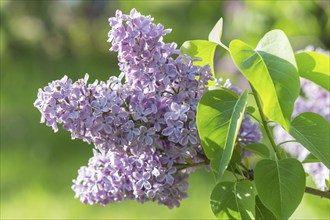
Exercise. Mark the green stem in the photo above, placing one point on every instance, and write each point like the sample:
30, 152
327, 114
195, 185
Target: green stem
238, 171
185, 166
265, 124
224, 46
286, 142
255, 118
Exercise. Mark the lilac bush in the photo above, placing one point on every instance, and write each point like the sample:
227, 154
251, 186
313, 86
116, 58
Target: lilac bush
164, 116
142, 123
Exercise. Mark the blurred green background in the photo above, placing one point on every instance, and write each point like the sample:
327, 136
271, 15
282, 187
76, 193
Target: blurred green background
44, 40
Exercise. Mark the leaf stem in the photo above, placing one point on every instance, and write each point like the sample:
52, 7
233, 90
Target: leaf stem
286, 142
234, 172
316, 192
265, 124
242, 165
224, 46
255, 118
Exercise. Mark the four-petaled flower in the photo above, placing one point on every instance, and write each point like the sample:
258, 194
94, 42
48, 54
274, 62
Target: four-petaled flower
142, 180
178, 112
146, 135
168, 176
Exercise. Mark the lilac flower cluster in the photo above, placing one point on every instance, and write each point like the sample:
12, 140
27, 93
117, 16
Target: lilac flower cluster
144, 130
312, 99
114, 176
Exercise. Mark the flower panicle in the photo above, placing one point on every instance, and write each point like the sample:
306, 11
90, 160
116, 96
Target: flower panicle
142, 124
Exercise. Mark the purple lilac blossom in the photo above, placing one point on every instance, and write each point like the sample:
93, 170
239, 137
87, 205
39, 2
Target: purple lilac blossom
312, 99
123, 120
117, 176
142, 129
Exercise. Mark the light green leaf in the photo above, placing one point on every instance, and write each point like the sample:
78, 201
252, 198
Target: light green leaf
219, 117
312, 131
280, 185
233, 200
262, 213
201, 49
271, 69
216, 33
327, 183
257, 148
315, 67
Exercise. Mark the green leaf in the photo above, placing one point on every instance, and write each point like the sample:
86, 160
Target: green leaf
233, 200
327, 183
250, 109
280, 185
315, 67
201, 49
219, 117
311, 159
312, 131
216, 33
271, 69
257, 148
235, 161
262, 213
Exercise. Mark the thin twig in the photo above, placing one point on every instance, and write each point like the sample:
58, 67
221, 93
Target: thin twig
255, 118
316, 192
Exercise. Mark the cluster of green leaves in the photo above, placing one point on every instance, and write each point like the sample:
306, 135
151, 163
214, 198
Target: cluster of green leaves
275, 186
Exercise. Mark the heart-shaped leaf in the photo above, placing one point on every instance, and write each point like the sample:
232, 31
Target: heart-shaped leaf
262, 212
233, 200
219, 117
280, 185
315, 67
312, 131
271, 69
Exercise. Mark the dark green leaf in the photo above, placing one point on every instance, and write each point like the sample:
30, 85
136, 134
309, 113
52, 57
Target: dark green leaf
250, 109
257, 148
219, 116
280, 185
271, 69
235, 160
315, 67
233, 200
262, 213
312, 131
